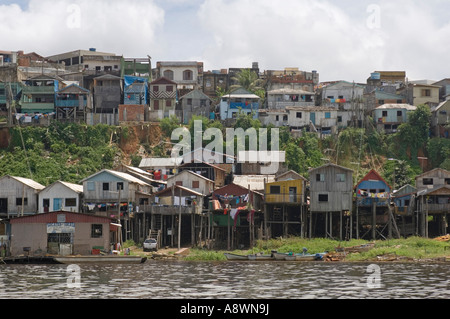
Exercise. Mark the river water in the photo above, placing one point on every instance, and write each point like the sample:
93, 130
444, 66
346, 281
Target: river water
229, 280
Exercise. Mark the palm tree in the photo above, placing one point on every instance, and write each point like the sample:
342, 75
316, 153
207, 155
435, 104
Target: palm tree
250, 81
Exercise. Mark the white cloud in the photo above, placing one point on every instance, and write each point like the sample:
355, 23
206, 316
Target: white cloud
49, 27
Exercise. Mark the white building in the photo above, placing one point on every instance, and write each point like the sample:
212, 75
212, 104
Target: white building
60, 196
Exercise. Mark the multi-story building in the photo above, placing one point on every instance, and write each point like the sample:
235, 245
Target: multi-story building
163, 98
388, 117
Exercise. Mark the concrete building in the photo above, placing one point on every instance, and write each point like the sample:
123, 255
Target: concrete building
163, 98
388, 117
61, 233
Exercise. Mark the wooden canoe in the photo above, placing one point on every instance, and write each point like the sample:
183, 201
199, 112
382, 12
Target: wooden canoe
231, 256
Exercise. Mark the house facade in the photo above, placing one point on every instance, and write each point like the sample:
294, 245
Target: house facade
109, 192
188, 75
72, 103
61, 196
388, 117
313, 118
281, 98
61, 233
194, 103
238, 101
39, 93
163, 98
193, 181
18, 196
440, 119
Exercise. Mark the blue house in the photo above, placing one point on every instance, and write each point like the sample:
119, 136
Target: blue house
240, 100
372, 189
72, 102
135, 90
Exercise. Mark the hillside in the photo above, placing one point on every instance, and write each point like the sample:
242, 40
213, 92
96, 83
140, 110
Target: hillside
71, 152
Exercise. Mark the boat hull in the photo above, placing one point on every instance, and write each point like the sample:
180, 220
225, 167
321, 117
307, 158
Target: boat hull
235, 257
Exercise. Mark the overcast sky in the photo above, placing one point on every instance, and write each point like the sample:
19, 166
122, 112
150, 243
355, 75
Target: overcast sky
341, 39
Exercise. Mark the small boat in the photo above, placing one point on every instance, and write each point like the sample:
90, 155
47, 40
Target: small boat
231, 256
260, 257
306, 257
100, 259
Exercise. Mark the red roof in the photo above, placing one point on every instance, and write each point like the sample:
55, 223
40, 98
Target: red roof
373, 176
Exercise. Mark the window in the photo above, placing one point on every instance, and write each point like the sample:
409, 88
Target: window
168, 74
447, 181
155, 88
277, 117
202, 102
340, 177
179, 183
71, 202
169, 88
285, 118
384, 114
90, 186
399, 101
120, 185
427, 181
331, 97
320, 177
323, 197
275, 189
195, 184
96, 230
380, 102
169, 103
339, 119
399, 113
19, 201
327, 115
187, 75
189, 102
299, 115
156, 104
426, 92
105, 186
98, 68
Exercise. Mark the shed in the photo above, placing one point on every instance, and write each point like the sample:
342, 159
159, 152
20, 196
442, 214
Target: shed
61, 233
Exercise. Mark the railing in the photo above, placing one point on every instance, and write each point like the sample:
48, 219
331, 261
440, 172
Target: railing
368, 201
39, 89
69, 103
436, 207
283, 198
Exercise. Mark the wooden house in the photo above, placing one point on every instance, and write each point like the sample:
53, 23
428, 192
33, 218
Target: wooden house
331, 188
18, 196
61, 196
193, 181
38, 94
433, 200
62, 233
72, 103
440, 119
106, 190
372, 196
388, 117
404, 200
194, 103
236, 213
285, 209
171, 204
108, 94
211, 171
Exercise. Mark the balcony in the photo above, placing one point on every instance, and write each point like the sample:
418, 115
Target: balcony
283, 198
367, 202
38, 90
69, 103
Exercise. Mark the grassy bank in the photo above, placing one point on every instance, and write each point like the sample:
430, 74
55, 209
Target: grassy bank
413, 248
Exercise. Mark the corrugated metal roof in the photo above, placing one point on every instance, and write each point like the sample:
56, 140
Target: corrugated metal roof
290, 91
29, 182
75, 187
256, 182
121, 175
407, 107
161, 162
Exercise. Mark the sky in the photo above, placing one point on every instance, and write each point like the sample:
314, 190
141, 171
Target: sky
340, 39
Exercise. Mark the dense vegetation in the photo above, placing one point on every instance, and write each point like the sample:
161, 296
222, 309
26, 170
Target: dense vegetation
71, 152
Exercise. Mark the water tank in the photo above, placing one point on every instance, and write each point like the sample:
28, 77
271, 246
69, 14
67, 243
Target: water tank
92, 49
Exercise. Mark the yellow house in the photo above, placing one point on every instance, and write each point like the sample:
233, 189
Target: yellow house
289, 191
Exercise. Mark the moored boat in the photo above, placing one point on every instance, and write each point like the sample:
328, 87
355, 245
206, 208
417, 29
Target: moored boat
231, 256
260, 257
305, 257
99, 259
